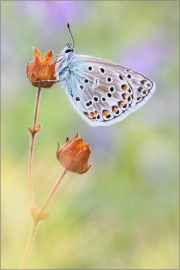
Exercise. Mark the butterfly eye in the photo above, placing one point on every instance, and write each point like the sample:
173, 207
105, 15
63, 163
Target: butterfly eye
68, 50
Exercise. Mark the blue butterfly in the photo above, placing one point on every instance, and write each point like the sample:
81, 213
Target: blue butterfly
101, 91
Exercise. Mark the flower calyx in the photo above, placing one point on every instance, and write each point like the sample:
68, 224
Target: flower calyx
74, 155
41, 73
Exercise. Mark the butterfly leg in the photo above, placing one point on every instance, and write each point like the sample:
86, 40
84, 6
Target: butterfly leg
55, 81
51, 64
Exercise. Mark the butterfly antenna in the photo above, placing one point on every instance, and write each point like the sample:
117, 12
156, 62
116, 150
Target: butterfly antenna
68, 27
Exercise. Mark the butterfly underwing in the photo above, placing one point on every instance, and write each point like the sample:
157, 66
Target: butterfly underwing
101, 91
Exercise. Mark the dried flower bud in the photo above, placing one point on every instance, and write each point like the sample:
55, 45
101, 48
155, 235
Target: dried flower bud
39, 70
74, 155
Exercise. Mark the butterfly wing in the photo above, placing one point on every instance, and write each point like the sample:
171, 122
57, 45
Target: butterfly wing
104, 92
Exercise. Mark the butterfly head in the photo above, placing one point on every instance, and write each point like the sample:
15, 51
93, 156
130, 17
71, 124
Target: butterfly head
68, 48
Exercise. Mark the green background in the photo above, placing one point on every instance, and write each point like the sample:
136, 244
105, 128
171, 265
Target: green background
123, 213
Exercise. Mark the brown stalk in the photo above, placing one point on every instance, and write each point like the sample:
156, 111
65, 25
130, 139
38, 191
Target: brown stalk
33, 130
36, 215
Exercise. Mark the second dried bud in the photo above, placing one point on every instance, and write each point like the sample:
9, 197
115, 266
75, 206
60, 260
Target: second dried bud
74, 155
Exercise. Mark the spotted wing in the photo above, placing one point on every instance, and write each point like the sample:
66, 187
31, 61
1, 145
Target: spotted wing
105, 92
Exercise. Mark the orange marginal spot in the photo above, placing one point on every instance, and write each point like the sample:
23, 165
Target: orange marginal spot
124, 96
124, 86
114, 108
105, 112
91, 114
86, 114
120, 103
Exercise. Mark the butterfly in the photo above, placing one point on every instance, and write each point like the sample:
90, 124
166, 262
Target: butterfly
101, 91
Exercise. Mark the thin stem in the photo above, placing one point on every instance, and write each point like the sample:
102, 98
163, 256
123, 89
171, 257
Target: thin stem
31, 148
52, 192
38, 218
37, 106
30, 169
29, 244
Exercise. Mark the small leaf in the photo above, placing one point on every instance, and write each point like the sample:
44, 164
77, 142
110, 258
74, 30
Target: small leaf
45, 216
33, 130
38, 128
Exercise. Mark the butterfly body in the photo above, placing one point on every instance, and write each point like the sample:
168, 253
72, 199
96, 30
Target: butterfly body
101, 91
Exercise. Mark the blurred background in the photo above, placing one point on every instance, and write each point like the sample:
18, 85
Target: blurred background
123, 213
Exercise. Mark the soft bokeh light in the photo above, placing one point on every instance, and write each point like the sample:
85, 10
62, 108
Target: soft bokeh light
123, 213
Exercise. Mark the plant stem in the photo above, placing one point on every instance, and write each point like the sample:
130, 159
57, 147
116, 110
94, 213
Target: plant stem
32, 141
30, 169
36, 106
29, 244
37, 218
52, 192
